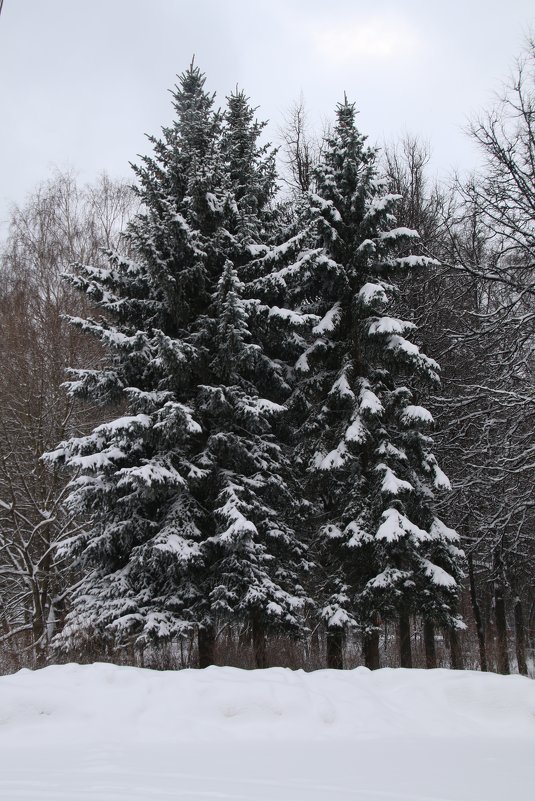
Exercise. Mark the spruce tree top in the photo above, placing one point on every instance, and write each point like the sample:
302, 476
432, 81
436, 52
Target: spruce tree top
185, 493
361, 429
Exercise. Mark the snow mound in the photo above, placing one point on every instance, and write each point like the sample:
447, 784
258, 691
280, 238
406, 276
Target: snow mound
112, 733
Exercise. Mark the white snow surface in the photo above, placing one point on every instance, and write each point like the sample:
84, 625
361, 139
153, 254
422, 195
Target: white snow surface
106, 733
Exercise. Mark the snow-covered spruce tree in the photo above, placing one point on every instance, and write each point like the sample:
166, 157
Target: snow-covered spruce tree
256, 558
251, 170
382, 552
183, 492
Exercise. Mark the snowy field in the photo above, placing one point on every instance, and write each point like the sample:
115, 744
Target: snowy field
74, 733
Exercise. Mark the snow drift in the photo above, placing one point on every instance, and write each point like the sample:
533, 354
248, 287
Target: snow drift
109, 733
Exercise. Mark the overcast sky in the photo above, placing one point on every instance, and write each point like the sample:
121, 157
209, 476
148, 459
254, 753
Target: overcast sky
81, 81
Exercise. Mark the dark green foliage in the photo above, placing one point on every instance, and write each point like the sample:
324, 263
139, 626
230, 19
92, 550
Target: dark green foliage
362, 436
185, 494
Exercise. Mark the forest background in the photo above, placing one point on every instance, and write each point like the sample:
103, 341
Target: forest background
474, 312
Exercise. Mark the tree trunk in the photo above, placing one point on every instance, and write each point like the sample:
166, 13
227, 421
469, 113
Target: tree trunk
520, 637
404, 636
530, 628
39, 655
500, 615
206, 645
131, 651
490, 626
456, 654
9, 649
259, 643
315, 647
244, 637
429, 645
480, 630
371, 649
335, 649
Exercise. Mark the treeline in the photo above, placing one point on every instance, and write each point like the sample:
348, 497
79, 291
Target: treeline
246, 427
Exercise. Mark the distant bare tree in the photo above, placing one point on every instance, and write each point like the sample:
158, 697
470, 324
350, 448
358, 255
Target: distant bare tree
59, 224
300, 148
468, 313
502, 197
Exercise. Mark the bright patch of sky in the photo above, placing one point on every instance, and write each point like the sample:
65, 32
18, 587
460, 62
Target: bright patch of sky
81, 83
380, 39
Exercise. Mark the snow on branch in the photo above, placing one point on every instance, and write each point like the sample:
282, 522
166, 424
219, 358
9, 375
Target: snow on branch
396, 526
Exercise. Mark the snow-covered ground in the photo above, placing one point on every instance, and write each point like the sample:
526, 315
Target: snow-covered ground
106, 733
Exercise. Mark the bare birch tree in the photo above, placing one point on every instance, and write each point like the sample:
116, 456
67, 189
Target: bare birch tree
59, 224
